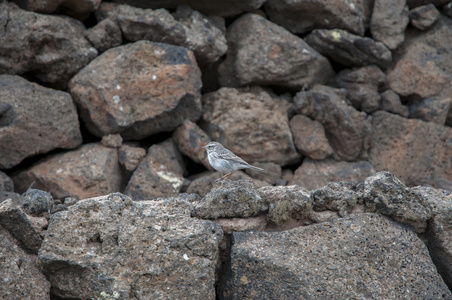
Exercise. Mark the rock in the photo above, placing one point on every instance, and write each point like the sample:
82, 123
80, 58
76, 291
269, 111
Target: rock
273, 172
346, 257
309, 137
231, 199
386, 194
286, 204
21, 277
388, 22
362, 85
416, 3
159, 175
51, 48
262, 53
223, 8
323, 216
105, 35
344, 125
251, 123
17, 223
37, 203
432, 109
6, 183
348, 49
110, 94
79, 9
91, 170
415, 151
130, 156
353, 16
190, 139
341, 197
112, 140
390, 102
146, 250
242, 224
423, 17
16, 198
34, 120
316, 174
447, 9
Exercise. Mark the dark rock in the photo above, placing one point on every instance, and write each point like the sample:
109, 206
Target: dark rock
105, 35
76, 9
423, 17
6, 183
447, 9
432, 109
37, 203
390, 102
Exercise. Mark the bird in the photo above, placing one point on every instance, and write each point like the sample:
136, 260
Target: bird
223, 160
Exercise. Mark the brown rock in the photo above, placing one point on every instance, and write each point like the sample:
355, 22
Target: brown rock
388, 22
432, 109
273, 172
91, 170
423, 17
34, 120
344, 125
415, 151
390, 102
263, 53
105, 35
138, 89
77, 9
112, 140
363, 85
316, 174
130, 156
309, 137
353, 16
159, 175
348, 49
230, 225
251, 123
51, 48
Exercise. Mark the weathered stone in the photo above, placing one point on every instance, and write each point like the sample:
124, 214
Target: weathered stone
309, 137
348, 49
323, 216
362, 85
344, 125
347, 257
34, 120
273, 172
388, 22
17, 223
432, 109
229, 199
146, 250
92, 170
316, 174
416, 152
353, 16
390, 102
51, 48
416, 3
159, 175
130, 156
387, 195
447, 9
423, 17
242, 224
21, 277
37, 203
263, 53
105, 35
251, 123
112, 140
78, 9
6, 183
341, 197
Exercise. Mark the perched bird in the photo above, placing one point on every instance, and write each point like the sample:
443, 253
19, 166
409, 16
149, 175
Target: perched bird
223, 160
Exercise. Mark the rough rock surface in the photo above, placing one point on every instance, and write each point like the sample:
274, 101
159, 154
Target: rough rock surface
432, 109
423, 17
92, 170
251, 123
24, 131
130, 156
37, 203
137, 249
77, 9
261, 53
390, 102
138, 89
51, 48
341, 197
105, 35
416, 152
346, 257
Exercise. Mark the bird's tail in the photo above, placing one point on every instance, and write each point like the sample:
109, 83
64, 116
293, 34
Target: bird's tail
256, 168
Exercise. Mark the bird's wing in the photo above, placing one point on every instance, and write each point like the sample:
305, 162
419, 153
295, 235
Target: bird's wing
231, 156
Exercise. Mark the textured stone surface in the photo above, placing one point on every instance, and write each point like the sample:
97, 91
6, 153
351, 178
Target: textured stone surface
92, 170
105, 35
346, 257
390, 102
111, 95
77, 9
263, 53
130, 156
273, 170
146, 250
6, 183
341, 197
37, 203
34, 120
432, 109
423, 17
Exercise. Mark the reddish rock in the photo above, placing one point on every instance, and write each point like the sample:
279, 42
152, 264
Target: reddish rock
77, 9
251, 123
92, 170
423, 17
138, 89
344, 125
105, 35
130, 156
159, 175
34, 120
263, 53
432, 109
417, 152
309, 137
353, 16
316, 174
388, 22
390, 102
51, 48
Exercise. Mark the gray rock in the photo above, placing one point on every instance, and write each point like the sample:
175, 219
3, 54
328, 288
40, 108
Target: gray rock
105, 35
423, 17
78, 9
363, 256
6, 183
390, 102
341, 197
37, 203
146, 250
432, 109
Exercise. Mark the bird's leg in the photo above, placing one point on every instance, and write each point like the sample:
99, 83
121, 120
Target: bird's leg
226, 176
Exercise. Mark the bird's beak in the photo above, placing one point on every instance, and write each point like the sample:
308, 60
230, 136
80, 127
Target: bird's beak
204, 146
